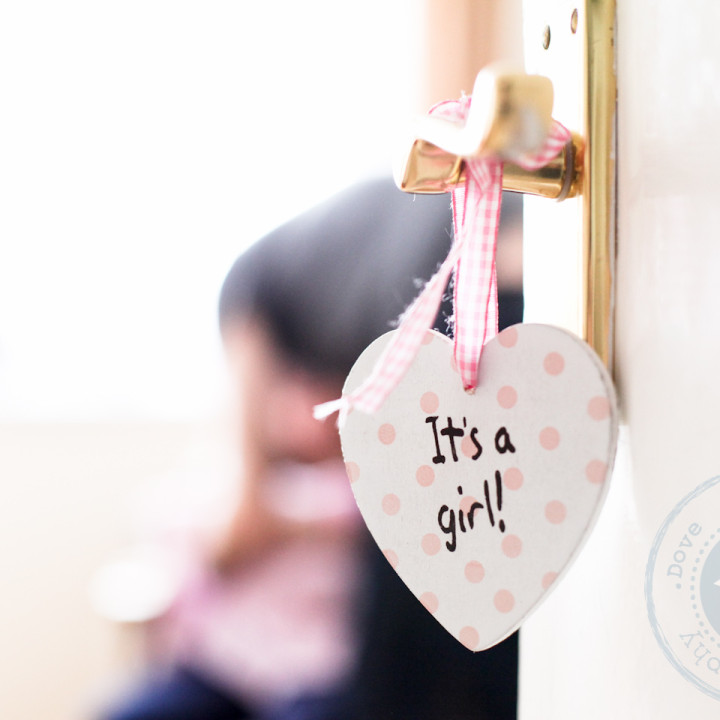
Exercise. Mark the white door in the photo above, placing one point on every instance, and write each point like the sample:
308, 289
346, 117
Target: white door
591, 651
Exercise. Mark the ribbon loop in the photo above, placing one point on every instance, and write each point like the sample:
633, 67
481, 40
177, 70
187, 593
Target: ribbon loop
476, 212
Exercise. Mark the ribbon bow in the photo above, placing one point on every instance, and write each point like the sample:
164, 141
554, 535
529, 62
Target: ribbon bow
476, 212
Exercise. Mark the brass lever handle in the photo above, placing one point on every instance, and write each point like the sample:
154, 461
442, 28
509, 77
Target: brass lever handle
510, 115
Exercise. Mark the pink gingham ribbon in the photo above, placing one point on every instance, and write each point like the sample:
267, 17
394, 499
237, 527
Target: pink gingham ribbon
476, 212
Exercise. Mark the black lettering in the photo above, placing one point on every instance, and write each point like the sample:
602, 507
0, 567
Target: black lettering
471, 513
439, 457
448, 529
503, 436
452, 433
488, 506
478, 446
461, 517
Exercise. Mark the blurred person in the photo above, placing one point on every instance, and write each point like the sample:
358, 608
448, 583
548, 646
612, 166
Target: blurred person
293, 613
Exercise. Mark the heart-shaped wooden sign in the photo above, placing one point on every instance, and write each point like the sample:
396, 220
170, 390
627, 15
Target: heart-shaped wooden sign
481, 501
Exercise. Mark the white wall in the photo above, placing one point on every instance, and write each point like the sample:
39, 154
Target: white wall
145, 144
65, 498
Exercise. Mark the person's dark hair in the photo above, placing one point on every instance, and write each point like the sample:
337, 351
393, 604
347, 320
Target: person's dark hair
326, 284
333, 279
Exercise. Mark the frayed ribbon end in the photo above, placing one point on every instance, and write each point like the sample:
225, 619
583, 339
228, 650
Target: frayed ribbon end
345, 405
325, 410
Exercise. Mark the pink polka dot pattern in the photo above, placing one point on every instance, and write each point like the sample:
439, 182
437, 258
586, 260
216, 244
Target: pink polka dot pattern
469, 637
599, 408
467, 447
554, 363
504, 601
545, 388
428, 338
555, 512
513, 479
430, 544
549, 438
512, 546
391, 504
386, 434
429, 402
474, 572
507, 397
353, 471
425, 475
430, 601
508, 337
391, 557
596, 471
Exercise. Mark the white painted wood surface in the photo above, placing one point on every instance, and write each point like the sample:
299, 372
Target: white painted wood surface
589, 652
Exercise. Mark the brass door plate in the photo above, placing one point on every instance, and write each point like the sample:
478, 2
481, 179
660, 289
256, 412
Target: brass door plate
570, 246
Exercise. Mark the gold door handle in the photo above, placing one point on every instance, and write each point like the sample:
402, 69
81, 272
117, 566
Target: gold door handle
514, 107
509, 117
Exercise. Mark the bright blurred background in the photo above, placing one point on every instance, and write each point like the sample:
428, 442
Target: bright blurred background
143, 145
